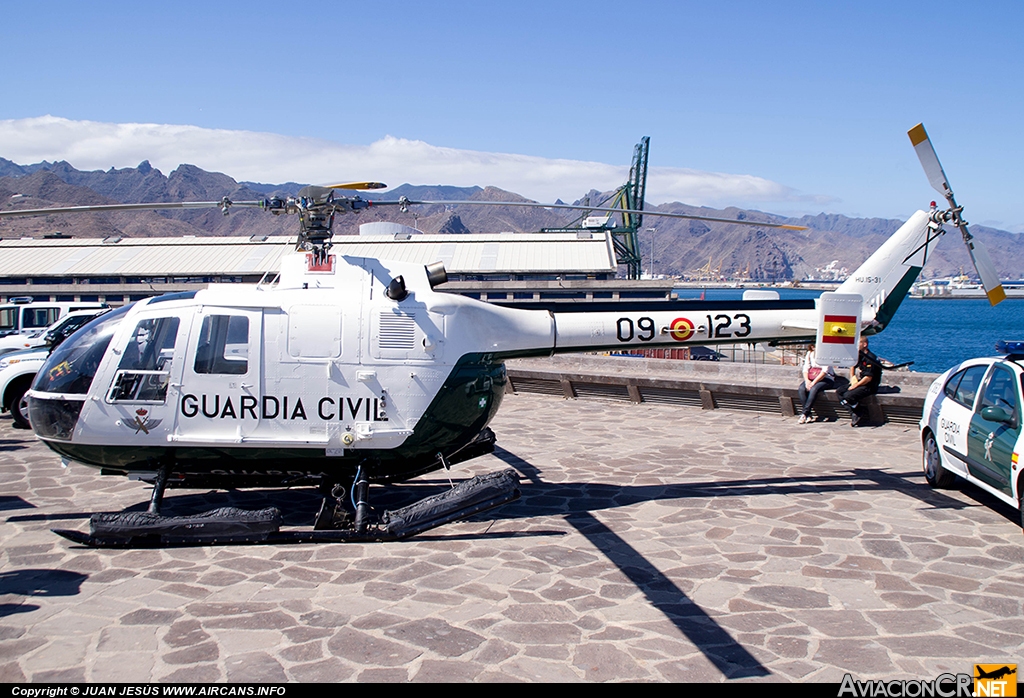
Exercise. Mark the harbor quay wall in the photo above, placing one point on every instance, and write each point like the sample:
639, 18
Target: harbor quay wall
710, 385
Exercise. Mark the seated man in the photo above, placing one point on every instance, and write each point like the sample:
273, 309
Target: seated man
865, 378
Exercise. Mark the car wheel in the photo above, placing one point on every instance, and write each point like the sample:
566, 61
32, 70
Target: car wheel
19, 408
934, 473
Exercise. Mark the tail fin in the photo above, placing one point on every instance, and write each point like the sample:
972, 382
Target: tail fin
884, 280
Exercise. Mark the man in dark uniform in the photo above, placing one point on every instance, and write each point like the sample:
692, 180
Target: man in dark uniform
865, 378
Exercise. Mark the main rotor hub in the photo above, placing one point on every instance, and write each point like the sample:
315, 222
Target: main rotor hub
316, 208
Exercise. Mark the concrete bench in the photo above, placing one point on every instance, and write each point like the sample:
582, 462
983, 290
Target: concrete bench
709, 385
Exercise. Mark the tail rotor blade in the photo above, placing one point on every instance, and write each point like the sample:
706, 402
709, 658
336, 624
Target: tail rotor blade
937, 178
929, 160
986, 270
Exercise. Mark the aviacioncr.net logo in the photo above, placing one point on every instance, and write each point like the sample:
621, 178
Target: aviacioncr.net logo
942, 686
995, 680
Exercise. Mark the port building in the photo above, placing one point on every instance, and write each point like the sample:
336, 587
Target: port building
500, 266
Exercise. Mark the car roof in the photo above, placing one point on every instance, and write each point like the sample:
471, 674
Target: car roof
988, 361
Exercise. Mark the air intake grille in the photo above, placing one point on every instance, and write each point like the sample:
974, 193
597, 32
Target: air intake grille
753, 403
397, 331
902, 415
538, 385
604, 391
671, 396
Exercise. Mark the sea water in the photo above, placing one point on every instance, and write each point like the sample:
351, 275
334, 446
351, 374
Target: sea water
938, 334
933, 333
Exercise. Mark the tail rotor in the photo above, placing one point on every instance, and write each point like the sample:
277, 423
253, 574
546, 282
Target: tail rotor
954, 214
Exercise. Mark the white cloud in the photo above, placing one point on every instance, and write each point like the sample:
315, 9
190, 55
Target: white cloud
267, 157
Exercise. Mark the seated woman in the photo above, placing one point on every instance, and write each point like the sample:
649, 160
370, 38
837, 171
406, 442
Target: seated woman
816, 378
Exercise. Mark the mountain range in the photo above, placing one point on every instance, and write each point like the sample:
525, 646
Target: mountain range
680, 246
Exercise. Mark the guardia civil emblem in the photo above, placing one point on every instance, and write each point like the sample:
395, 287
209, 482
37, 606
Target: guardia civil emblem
142, 422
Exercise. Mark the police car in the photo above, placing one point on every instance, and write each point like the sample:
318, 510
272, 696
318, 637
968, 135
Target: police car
971, 425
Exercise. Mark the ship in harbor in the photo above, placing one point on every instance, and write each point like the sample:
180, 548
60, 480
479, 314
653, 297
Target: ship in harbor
829, 275
961, 287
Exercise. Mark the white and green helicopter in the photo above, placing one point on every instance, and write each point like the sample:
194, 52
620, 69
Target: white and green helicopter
350, 371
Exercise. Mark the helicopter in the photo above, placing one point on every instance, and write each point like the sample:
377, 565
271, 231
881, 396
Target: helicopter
351, 371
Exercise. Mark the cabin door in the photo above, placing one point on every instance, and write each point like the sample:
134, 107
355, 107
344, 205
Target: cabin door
219, 401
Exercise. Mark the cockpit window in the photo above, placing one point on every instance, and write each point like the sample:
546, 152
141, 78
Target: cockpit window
151, 345
72, 366
145, 369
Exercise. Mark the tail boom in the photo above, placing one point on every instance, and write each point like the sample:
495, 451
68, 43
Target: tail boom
886, 277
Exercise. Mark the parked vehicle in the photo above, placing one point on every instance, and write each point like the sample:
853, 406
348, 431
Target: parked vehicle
34, 338
22, 315
971, 425
19, 368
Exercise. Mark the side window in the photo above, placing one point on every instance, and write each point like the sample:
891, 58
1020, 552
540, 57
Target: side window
223, 345
34, 318
145, 367
952, 383
1001, 391
967, 390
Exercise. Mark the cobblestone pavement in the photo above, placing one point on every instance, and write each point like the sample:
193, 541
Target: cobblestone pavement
651, 543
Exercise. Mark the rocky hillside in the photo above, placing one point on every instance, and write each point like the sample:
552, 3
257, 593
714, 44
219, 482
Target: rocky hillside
680, 247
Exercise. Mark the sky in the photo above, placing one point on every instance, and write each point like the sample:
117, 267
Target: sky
787, 107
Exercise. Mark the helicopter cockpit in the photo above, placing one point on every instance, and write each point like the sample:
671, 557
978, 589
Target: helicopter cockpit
142, 361
144, 370
67, 375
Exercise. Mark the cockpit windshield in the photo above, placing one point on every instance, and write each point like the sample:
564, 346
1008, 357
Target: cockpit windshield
72, 366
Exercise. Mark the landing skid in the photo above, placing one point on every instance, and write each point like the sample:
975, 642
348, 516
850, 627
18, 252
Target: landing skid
237, 526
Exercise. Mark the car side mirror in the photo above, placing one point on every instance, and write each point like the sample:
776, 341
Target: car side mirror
996, 414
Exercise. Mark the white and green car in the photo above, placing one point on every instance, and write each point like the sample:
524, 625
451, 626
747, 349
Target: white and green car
971, 425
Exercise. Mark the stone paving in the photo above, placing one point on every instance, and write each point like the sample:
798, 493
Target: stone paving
652, 543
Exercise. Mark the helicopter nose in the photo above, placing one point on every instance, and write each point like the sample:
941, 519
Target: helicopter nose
53, 417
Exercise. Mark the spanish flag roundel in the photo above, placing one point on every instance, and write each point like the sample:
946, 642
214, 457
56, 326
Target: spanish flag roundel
681, 329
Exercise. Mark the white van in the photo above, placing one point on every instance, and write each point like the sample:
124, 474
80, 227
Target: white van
30, 339
25, 316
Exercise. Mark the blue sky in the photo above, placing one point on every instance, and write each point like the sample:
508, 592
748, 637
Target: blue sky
790, 107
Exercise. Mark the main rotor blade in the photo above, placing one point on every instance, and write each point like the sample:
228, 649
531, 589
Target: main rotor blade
399, 202
930, 161
126, 207
573, 207
986, 270
358, 185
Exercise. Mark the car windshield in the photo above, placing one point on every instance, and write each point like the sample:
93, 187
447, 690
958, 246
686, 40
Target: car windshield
66, 327
72, 366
